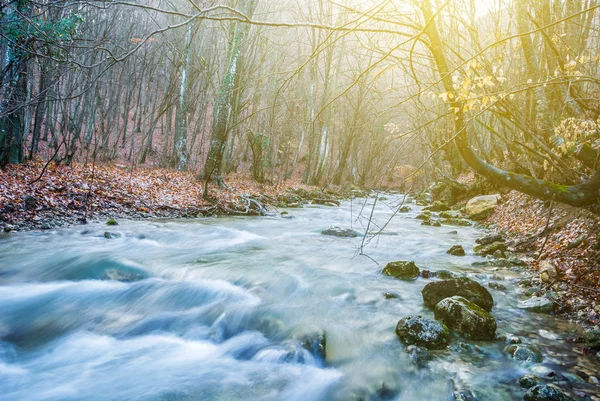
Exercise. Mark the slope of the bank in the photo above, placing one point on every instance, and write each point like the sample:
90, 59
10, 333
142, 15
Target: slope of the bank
561, 240
40, 196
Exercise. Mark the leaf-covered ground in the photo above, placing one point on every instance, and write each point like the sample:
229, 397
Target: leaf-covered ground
65, 195
572, 245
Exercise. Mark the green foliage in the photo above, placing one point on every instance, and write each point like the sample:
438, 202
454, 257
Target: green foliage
30, 33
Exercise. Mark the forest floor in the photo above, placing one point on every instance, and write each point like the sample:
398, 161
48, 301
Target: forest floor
560, 236
40, 196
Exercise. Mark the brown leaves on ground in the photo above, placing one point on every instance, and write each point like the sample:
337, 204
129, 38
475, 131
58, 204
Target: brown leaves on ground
572, 247
67, 194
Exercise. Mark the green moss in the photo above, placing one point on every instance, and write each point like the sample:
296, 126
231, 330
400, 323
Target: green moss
112, 222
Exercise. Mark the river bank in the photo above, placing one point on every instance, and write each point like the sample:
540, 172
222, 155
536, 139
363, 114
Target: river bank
40, 196
561, 245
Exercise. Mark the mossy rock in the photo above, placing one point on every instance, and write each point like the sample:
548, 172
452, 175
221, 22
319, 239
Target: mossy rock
437, 207
464, 317
451, 214
424, 332
112, 222
402, 270
456, 250
462, 287
404, 209
424, 216
528, 381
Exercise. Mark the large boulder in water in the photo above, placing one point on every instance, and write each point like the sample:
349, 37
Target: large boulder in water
463, 287
466, 318
402, 270
335, 231
481, 207
428, 333
545, 393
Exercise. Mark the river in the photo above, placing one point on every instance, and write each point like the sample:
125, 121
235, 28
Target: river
214, 309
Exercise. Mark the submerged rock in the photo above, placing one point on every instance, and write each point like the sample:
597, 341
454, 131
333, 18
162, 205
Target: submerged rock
456, 250
497, 286
315, 343
537, 304
524, 353
481, 207
464, 396
545, 393
404, 209
335, 231
462, 287
401, 269
466, 318
417, 330
390, 295
418, 355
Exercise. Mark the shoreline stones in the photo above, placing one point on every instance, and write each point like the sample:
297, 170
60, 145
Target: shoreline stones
335, 231
466, 318
437, 207
481, 207
537, 304
424, 332
488, 239
464, 287
403, 270
495, 248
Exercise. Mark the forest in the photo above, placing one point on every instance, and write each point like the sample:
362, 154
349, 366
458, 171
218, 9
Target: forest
251, 193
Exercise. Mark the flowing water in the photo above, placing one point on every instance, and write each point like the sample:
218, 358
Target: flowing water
215, 309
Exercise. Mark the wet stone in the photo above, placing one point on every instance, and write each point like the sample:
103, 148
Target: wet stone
463, 287
545, 393
417, 330
524, 353
528, 381
403, 270
537, 304
418, 355
456, 250
466, 318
